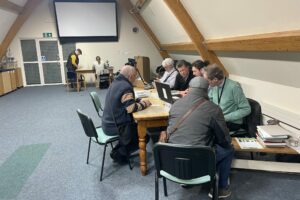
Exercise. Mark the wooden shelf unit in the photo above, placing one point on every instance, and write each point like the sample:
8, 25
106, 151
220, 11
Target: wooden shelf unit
10, 80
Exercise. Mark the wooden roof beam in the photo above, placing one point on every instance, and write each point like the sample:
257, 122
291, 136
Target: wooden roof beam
183, 46
139, 19
277, 41
7, 5
26, 12
191, 29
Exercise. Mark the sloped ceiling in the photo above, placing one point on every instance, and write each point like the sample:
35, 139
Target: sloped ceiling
222, 19
7, 19
19, 2
163, 23
218, 19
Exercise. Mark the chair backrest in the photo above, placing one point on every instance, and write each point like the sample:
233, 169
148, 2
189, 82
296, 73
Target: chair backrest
96, 102
254, 119
88, 125
185, 161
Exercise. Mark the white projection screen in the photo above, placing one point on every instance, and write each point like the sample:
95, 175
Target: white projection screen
92, 20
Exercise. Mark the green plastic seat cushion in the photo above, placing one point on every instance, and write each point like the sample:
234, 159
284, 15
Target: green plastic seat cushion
195, 181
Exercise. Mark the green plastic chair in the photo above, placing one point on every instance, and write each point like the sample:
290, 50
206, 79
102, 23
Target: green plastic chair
97, 103
96, 135
185, 164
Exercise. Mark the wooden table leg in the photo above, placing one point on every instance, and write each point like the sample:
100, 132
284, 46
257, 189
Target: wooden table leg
142, 145
78, 83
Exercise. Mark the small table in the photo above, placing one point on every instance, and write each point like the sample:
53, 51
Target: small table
275, 150
83, 71
266, 165
154, 116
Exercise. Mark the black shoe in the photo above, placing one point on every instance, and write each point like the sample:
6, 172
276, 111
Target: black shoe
118, 158
113, 156
223, 192
185, 186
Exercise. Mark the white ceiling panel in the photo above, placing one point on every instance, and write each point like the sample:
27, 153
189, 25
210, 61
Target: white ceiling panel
163, 23
218, 18
19, 2
7, 19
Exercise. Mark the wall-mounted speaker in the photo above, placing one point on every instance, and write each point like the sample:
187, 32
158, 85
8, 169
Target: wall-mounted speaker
135, 29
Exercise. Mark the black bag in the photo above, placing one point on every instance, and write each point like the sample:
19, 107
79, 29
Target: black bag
104, 81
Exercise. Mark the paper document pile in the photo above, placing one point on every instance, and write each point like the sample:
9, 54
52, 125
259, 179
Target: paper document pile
141, 94
272, 135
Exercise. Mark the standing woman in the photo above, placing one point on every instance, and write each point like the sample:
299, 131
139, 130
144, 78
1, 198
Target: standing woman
98, 67
198, 66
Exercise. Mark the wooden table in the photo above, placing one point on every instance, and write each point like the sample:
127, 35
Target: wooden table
83, 71
154, 116
275, 150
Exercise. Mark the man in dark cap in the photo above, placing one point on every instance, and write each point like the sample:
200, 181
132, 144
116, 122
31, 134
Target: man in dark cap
204, 126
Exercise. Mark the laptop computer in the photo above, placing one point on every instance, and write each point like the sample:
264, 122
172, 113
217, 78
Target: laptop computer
165, 93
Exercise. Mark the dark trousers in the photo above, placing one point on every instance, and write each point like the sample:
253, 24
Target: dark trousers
128, 142
233, 127
154, 133
224, 158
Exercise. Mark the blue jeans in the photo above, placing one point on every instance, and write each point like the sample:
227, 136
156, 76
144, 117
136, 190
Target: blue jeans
224, 158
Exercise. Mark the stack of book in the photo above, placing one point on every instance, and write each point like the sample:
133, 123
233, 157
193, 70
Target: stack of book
272, 135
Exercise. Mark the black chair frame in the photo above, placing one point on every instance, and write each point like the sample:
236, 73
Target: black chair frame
91, 132
185, 162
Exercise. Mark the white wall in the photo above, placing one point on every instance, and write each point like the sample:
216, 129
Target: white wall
279, 101
129, 45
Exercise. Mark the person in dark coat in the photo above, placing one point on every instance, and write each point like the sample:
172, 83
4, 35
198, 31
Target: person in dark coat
184, 76
205, 126
117, 118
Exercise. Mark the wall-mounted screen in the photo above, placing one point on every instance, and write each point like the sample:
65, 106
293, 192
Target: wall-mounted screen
91, 20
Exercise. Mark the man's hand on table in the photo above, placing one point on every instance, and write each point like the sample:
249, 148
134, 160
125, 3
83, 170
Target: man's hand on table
146, 102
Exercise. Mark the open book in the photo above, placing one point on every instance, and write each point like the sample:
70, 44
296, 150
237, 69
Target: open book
248, 143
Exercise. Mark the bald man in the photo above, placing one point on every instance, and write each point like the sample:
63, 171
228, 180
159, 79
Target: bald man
117, 118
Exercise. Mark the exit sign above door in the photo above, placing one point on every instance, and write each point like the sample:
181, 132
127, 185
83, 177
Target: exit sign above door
47, 35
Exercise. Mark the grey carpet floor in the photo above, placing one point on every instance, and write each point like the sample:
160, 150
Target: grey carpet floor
37, 115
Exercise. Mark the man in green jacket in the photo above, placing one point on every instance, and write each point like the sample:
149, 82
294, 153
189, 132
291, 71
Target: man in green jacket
229, 95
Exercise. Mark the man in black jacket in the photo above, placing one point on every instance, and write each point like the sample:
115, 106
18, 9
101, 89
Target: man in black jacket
184, 77
204, 126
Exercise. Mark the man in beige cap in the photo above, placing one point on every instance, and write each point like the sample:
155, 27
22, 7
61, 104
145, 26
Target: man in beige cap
204, 126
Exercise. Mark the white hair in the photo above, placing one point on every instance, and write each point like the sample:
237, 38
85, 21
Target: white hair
128, 71
167, 62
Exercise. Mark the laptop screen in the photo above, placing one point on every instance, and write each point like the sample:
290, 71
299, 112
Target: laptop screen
164, 92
